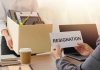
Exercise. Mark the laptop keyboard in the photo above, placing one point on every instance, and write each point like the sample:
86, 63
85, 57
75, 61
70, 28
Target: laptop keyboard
77, 56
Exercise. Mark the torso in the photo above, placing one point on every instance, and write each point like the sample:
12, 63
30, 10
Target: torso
20, 5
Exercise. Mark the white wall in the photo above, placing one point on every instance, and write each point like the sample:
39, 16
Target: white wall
52, 11
70, 12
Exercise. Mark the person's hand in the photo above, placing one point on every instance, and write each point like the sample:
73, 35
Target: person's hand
84, 49
57, 52
9, 42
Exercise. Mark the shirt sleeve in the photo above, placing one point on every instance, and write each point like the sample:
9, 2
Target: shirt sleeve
93, 61
63, 64
2, 17
98, 41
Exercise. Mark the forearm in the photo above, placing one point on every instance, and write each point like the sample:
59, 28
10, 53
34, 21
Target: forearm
63, 64
8, 39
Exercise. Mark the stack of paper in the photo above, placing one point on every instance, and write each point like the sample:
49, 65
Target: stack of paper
8, 57
8, 60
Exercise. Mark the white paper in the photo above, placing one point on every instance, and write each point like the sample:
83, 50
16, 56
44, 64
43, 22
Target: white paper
9, 57
66, 39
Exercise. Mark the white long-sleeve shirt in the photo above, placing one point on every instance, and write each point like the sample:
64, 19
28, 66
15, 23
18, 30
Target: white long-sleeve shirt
18, 5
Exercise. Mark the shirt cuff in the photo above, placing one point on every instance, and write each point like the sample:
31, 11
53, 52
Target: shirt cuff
57, 61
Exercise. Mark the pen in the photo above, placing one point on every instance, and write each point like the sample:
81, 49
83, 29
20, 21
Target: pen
30, 66
19, 67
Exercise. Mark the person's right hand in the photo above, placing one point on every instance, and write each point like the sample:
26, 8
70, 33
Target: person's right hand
9, 42
56, 52
84, 49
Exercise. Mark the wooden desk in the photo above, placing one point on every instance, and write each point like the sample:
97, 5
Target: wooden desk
45, 62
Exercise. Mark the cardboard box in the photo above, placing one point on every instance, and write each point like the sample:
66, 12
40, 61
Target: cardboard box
32, 36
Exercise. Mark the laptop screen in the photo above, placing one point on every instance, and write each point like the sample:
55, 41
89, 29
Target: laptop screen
89, 34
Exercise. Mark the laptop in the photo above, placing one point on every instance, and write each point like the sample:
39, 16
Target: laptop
89, 34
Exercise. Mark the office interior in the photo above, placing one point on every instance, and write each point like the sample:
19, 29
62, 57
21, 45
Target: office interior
58, 12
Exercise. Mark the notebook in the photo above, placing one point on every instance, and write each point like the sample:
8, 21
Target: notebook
10, 59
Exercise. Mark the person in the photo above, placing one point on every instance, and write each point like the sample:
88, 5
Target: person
5, 6
91, 63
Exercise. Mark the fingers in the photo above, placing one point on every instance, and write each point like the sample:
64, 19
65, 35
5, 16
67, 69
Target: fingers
81, 44
83, 48
78, 49
56, 47
56, 51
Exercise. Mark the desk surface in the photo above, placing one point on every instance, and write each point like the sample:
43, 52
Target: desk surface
45, 62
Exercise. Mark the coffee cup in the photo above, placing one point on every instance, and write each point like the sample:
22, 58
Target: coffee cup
25, 55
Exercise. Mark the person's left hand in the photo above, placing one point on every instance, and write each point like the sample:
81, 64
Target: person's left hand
57, 52
84, 49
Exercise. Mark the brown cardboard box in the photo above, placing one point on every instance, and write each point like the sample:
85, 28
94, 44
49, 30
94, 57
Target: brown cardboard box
31, 36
